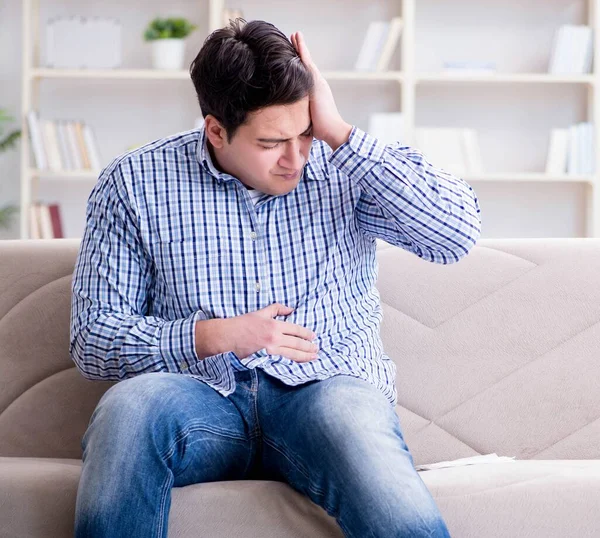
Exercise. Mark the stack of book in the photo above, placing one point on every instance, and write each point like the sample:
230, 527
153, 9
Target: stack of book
62, 145
45, 221
379, 45
572, 51
571, 151
454, 150
469, 68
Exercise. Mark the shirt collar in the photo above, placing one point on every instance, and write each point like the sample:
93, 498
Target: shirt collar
311, 171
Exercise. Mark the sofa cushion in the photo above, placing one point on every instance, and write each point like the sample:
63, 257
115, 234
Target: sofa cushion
557, 498
550, 498
37, 499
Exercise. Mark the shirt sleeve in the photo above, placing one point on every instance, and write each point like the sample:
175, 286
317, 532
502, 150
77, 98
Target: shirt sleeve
408, 202
111, 335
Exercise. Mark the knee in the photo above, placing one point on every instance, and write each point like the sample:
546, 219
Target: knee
407, 519
134, 403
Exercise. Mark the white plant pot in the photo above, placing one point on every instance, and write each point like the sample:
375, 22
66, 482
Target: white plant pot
168, 53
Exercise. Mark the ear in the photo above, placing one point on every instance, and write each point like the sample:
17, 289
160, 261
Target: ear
216, 133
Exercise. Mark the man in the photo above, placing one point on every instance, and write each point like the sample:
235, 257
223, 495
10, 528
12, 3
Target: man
197, 243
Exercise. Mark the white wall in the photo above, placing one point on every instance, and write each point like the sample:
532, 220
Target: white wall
513, 122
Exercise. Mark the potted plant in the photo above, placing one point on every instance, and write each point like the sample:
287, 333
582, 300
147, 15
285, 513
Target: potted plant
168, 41
6, 142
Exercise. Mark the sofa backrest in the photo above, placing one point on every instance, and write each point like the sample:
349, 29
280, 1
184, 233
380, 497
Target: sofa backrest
497, 353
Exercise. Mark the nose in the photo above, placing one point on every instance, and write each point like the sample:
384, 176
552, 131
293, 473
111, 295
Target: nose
292, 159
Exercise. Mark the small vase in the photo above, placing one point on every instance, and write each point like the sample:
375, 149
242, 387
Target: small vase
168, 53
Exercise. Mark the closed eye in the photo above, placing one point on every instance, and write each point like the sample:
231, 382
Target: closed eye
306, 135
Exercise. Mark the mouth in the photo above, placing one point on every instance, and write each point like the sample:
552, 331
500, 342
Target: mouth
290, 176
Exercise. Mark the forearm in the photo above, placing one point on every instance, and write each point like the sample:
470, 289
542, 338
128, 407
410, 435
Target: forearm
213, 336
437, 213
115, 345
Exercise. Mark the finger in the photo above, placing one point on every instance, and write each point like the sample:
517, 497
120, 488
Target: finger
304, 52
297, 356
295, 330
299, 344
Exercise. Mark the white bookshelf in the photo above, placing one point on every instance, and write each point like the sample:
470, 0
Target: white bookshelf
517, 78
408, 79
116, 74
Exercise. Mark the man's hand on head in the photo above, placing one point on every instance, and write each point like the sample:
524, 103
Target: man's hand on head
328, 124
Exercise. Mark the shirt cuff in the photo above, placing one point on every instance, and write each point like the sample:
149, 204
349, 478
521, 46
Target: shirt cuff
358, 155
178, 343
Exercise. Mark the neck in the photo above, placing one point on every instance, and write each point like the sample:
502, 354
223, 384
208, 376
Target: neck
213, 157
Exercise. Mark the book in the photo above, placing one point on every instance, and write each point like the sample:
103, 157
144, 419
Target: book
56, 220
581, 143
372, 46
37, 144
85, 161
468, 68
34, 227
580, 153
586, 131
65, 154
390, 44
90, 145
556, 162
51, 145
573, 164
45, 222
572, 50
73, 146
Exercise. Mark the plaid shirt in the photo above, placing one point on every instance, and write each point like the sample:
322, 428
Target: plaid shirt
170, 240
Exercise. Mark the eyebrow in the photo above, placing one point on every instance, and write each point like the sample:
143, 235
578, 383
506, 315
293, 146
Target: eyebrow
274, 140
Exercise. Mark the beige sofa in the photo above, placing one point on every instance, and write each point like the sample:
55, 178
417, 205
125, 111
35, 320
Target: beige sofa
499, 353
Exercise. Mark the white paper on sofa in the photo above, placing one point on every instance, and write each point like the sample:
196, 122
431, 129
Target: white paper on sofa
473, 460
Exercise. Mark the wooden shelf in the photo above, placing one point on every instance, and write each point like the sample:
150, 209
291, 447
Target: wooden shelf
536, 177
64, 174
363, 75
522, 78
132, 74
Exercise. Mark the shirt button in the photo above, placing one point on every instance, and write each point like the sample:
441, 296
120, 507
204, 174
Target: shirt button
253, 236
257, 286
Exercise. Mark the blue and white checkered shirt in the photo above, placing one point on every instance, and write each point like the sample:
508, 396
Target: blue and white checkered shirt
170, 240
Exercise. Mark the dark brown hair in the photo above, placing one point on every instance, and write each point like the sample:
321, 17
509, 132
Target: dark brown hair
245, 67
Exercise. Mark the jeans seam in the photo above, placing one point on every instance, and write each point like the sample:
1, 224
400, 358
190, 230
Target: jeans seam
170, 450
166, 489
254, 396
314, 490
299, 467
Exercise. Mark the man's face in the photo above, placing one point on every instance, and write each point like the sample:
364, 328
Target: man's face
274, 143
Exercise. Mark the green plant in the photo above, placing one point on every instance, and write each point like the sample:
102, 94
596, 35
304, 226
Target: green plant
169, 28
7, 142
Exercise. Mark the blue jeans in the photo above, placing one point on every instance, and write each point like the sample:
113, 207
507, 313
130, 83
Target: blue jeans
337, 441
